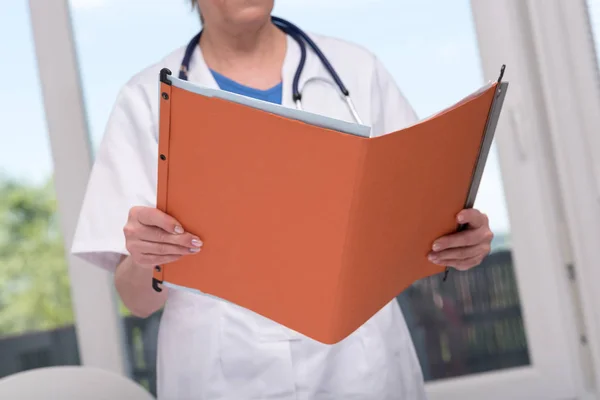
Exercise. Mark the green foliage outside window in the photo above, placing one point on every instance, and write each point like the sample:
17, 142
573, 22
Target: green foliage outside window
34, 282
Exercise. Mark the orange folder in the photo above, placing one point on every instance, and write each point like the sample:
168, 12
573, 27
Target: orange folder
310, 227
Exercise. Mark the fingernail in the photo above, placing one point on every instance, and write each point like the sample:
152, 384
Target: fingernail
178, 229
461, 218
437, 247
194, 250
433, 258
196, 242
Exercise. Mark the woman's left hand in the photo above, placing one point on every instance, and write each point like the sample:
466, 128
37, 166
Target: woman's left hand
467, 249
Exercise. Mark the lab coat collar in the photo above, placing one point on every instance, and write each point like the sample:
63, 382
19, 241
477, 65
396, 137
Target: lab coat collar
200, 73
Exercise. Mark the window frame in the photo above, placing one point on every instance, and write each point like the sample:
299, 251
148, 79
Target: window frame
100, 335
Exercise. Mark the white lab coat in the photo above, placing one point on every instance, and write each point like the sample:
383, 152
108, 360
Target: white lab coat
209, 349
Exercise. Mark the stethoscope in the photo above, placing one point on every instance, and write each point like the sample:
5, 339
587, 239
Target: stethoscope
302, 39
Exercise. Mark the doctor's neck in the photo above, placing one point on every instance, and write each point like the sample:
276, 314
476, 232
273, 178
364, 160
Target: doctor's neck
250, 53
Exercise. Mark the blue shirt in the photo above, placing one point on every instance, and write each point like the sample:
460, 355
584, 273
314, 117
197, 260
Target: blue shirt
272, 95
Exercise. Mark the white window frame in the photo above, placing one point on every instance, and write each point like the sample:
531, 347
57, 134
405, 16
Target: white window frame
537, 161
537, 164
100, 335
567, 63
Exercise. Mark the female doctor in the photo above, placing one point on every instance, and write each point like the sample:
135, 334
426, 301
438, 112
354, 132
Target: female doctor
209, 349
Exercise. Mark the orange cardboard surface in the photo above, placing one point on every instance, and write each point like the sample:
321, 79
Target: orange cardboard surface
310, 227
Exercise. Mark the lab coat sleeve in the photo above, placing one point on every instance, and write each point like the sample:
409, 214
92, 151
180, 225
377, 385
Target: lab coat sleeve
391, 111
124, 175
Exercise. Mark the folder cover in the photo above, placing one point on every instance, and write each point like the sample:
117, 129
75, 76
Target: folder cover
311, 227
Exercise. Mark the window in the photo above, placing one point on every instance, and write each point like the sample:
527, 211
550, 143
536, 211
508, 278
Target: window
36, 318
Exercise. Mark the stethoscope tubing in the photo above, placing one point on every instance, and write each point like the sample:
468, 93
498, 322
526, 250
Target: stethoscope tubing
302, 39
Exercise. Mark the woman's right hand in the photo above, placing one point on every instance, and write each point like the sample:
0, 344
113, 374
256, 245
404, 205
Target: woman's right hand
155, 238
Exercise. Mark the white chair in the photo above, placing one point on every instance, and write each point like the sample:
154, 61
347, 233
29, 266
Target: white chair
66, 383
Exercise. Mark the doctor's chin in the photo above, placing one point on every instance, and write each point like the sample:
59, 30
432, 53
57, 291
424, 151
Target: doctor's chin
300, 200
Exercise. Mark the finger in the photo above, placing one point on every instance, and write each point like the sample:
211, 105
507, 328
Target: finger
469, 237
162, 249
154, 217
461, 253
474, 218
466, 264
158, 235
150, 259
